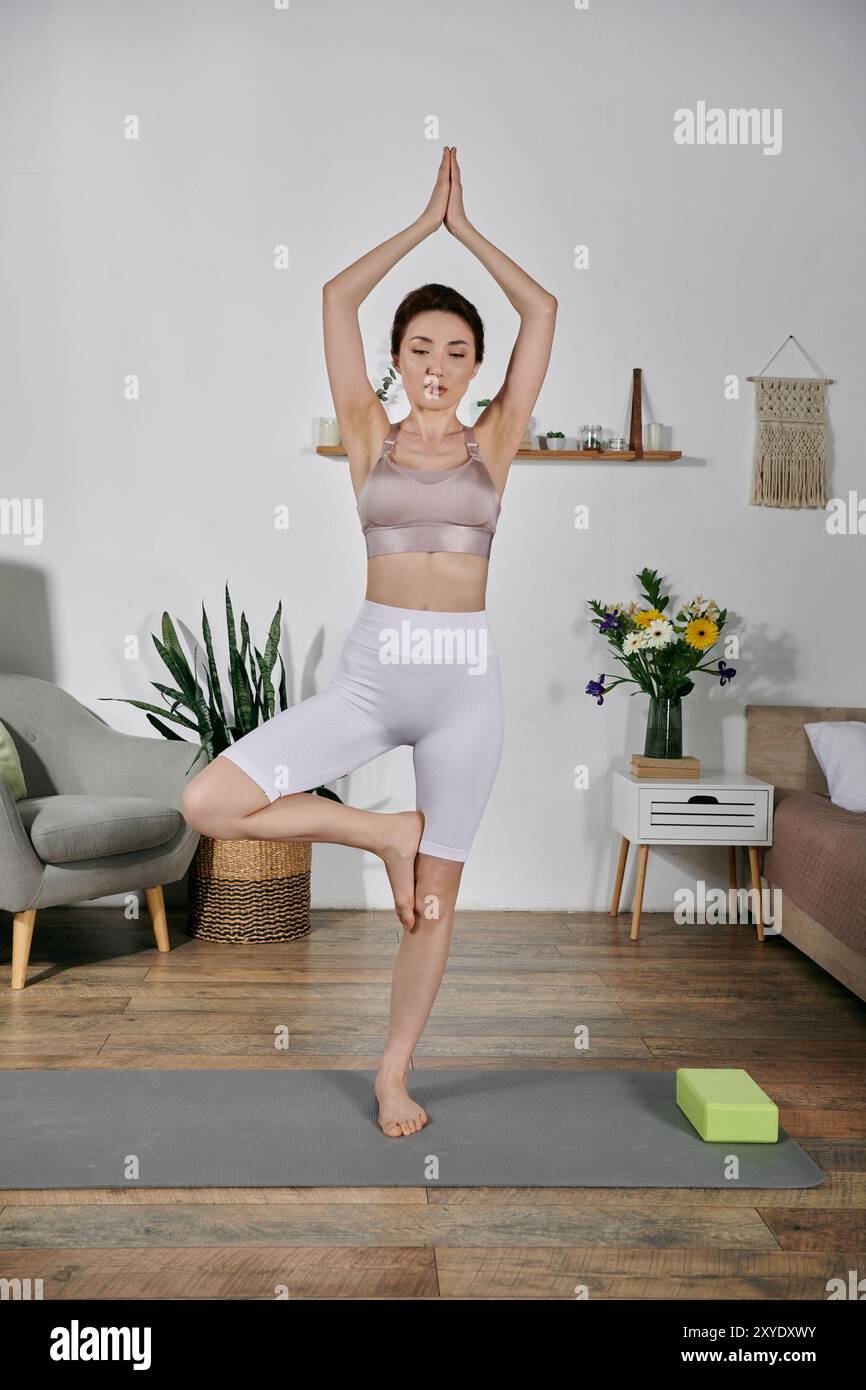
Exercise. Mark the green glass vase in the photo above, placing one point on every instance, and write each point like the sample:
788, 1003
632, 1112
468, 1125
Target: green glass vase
664, 727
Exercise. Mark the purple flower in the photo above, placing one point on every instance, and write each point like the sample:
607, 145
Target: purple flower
726, 673
610, 622
597, 688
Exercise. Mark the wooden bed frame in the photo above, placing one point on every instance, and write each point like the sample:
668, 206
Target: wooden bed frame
779, 751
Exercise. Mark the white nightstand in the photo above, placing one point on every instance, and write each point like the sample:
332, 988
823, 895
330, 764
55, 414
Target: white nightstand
717, 808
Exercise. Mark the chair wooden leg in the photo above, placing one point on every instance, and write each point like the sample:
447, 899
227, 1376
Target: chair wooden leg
156, 907
620, 873
756, 885
22, 935
638, 891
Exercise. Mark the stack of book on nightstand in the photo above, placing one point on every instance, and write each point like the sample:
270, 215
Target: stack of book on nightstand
669, 769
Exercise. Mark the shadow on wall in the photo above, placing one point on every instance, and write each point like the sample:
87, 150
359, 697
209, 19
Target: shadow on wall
26, 635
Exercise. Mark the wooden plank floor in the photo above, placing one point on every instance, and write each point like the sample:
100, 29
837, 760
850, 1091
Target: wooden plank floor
100, 995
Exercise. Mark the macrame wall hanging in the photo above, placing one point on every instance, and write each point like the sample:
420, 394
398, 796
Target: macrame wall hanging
790, 460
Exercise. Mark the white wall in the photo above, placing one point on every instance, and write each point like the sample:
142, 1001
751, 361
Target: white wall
260, 126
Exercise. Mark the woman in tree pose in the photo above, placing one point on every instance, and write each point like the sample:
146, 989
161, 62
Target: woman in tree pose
419, 665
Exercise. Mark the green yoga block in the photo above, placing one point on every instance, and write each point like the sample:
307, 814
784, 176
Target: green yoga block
725, 1104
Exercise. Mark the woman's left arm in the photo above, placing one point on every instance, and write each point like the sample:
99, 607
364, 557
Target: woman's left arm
511, 407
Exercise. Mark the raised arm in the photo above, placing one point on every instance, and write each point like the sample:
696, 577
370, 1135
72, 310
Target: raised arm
359, 411
507, 414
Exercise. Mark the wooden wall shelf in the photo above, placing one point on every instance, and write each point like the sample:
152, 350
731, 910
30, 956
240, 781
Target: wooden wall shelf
553, 455
634, 453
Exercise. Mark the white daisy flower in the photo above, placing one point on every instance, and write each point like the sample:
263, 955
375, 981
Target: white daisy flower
660, 633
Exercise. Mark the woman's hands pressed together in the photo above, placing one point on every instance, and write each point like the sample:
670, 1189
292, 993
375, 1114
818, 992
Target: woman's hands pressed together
446, 200
434, 213
455, 216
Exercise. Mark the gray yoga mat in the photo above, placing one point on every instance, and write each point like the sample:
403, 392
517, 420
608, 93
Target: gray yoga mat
304, 1128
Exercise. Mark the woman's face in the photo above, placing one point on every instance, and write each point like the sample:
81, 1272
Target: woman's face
437, 359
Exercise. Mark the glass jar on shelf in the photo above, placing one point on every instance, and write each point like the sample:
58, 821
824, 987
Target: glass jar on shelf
590, 437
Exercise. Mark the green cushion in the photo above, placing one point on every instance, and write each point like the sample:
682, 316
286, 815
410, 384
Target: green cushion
725, 1105
10, 766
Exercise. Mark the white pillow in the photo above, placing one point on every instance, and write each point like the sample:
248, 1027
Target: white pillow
840, 747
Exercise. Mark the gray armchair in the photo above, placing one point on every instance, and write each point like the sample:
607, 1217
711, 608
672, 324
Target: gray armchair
102, 812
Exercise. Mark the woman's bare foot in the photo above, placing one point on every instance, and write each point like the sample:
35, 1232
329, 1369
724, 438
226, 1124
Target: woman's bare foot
403, 831
399, 1114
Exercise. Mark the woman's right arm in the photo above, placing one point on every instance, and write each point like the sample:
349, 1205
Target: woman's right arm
359, 411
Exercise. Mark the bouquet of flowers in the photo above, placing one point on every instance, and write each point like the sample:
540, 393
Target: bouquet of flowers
660, 654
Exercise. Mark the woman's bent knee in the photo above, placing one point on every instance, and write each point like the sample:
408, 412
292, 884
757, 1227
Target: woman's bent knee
199, 807
218, 797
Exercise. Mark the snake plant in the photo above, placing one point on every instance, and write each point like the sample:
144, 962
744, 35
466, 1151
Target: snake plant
254, 698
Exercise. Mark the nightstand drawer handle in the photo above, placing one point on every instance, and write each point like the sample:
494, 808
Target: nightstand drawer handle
713, 799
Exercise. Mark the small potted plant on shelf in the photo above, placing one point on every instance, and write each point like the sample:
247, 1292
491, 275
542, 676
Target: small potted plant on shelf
240, 891
554, 439
660, 654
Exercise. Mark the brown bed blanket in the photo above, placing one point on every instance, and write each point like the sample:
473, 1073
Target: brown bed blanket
818, 859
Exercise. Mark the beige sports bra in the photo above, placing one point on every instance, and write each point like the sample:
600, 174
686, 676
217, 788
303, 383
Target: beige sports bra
429, 508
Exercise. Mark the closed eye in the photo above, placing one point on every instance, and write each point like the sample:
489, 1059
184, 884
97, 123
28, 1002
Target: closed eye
461, 355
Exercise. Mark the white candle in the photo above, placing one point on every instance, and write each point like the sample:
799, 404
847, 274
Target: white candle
329, 430
654, 437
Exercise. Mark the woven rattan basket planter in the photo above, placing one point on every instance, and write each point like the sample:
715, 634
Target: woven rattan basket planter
246, 891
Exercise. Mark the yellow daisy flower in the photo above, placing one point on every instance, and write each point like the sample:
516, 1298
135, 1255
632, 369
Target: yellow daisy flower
646, 616
701, 633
